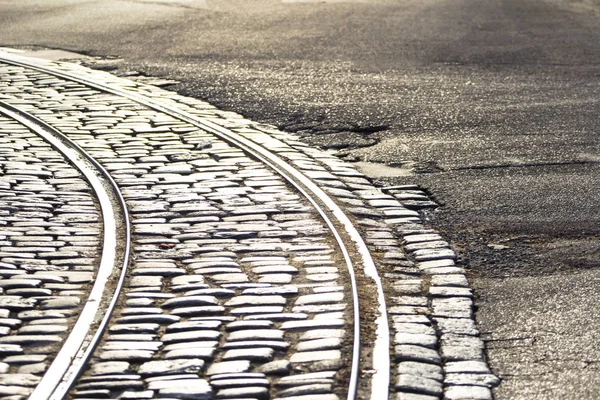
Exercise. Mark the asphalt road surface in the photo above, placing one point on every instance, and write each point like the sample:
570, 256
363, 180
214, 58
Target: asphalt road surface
492, 105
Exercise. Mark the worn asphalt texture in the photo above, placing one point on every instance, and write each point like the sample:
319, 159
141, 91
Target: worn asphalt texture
492, 105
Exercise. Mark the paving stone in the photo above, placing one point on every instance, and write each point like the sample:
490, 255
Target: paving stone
323, 334
162, 272
129, 345
196, 311
141, 311
190, 301
320, 344
320, 298
187, 279
134, 328
467, 367
456, 307
245, 344
449, 270
36, 369
260, 354
144, 281
207, 344
204, 353
409, 310
256, 300
112, 385
466, 379
100, 393
15, 391
281, 290
137, 337
311, 324
237, 375
171, 367
26, 380
409, 287
250, 392
414, 396
133, 395
306, 390
59, 303
312, 356
329, 396
29, 292
444, 291
193, 325
187, 336
467, 393
230, 278
109, 368
256, 334
151, 318
30, 339
426, 245
430, 371
458, 280
20, 283
413, 383
276, 278
16, 303
42, 329
225, 367
252, 324
224, 383
132, 355
459, 326
317, 309
256, 310
433, 254
24, 359
419, 339
322, 277
462, 350
414, 328
277, 367
424, 237
202, 290
416, 353
411, 319
417, 301
199, 390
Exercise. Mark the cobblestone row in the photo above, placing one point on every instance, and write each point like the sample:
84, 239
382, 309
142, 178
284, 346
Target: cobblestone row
49, 250
235, 289
437, 349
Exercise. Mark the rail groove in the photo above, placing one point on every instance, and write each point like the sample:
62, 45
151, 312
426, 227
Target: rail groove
331, 213
96, 312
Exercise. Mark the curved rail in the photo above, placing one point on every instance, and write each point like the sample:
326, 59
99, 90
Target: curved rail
81, 342
326, 207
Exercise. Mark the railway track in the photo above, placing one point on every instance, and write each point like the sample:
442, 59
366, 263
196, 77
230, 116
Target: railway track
226, 261
114, 258
60, 375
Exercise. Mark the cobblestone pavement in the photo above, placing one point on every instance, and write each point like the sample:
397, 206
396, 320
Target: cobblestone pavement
236, 288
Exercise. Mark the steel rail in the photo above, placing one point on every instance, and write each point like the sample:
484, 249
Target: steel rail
380, 379
80, 343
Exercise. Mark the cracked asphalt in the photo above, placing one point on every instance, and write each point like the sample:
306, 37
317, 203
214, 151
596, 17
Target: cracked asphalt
491, 105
